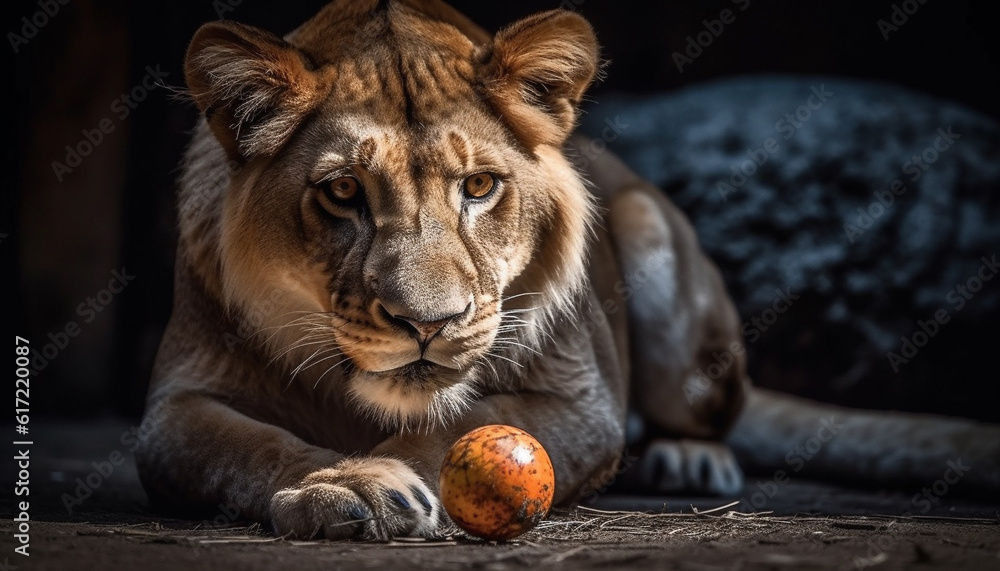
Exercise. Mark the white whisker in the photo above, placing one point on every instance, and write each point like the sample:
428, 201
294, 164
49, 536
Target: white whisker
279, 328
298, 344
510, 343
506, 299
511, 361
305, 364
325, 358
487, 361
328, 370
516, 311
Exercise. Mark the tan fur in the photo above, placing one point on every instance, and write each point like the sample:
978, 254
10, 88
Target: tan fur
333, 417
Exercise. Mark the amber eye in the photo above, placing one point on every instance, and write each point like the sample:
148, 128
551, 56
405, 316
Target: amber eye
343, 192
479, 185
342, 189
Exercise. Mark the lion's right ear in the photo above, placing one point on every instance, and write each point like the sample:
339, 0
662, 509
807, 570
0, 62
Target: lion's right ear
253, 87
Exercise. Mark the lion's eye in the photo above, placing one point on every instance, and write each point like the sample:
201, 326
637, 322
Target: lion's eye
479, 185
342, 191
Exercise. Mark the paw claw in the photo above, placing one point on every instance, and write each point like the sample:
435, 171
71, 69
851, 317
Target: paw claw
399, 498
422, 499
357, 512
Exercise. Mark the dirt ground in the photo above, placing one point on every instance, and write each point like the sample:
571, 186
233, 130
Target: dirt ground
570, 540
803, 525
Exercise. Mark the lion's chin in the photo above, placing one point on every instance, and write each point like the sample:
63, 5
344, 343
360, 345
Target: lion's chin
416, 396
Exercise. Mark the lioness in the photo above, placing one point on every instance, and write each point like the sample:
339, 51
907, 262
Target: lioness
385, 198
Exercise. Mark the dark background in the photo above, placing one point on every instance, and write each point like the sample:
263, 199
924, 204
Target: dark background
116, 209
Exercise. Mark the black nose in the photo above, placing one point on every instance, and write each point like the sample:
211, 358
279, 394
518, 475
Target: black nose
423, 330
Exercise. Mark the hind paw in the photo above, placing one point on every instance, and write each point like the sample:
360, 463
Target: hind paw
690, 466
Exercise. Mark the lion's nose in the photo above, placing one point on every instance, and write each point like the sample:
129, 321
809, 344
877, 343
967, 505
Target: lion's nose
421, 329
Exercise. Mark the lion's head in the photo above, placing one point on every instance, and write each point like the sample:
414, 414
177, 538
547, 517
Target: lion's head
392, 199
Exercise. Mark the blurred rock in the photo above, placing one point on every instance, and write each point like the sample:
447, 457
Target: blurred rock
773, 172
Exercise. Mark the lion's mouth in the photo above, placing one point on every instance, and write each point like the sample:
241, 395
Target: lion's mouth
422, 373
419, 393
417, 369
422, 365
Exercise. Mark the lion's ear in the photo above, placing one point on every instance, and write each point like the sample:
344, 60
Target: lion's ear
536, 72
253, 87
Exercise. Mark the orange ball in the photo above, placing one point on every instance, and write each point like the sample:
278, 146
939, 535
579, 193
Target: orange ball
497, 482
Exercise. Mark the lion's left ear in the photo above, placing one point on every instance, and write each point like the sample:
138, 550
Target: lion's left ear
536, 71
253, 87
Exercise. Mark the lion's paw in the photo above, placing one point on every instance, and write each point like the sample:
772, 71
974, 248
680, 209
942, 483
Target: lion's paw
370, 498
690, 466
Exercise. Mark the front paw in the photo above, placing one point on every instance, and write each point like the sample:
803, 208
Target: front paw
371, 498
